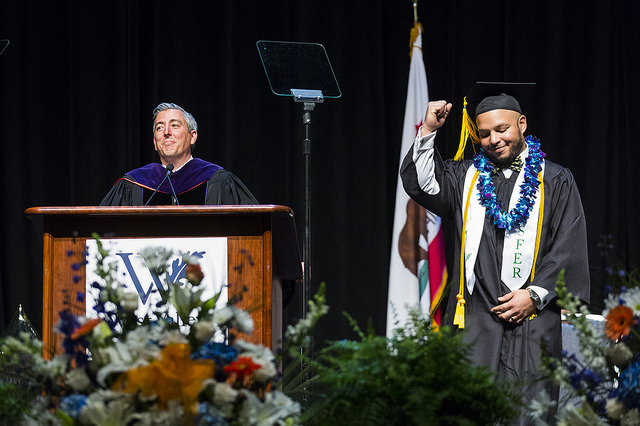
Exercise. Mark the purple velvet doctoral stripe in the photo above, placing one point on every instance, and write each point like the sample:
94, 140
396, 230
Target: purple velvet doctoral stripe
188, 177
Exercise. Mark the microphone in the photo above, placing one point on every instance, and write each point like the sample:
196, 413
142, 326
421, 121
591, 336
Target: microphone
169, 172
175, 197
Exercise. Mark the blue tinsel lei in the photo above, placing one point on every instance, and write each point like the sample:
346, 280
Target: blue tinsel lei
518, 216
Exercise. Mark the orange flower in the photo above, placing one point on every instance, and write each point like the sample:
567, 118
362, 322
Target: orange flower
89, 325
172, 377
618, 322
194, 273
243, 366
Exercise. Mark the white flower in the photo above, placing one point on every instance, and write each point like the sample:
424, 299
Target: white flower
620, 354
172, 336
78, 379
234, 317
224, 396
274, 410
185, 300
266, 372
298, 334
583, 416
204, 330
115, 359
223, 315
284, 405
615, 408
137, 350
253, 350
39, 413
107, 408
129, 302
261, 355
139, 342
54, 368
156, 259
632, 299
539, 407
632, 418
173, 415
189, 258
243, 321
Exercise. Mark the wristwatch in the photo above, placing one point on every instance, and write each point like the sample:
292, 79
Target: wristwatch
534, 296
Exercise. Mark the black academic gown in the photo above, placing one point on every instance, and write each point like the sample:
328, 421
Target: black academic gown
512, 350
198, 182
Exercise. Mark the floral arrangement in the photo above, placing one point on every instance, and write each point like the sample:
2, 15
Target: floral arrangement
603, 382
119, 370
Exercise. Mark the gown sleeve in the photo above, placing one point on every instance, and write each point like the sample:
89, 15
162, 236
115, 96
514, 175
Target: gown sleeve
448, 174
123, 193
225, 188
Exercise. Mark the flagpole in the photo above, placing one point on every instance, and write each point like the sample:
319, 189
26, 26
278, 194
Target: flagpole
417, 264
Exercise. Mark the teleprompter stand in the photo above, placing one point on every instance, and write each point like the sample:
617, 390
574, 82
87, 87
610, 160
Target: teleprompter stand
303, 71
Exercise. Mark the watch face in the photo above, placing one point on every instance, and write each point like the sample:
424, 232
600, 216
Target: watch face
534, 296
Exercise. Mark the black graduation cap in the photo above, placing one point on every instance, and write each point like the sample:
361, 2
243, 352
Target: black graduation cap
487, 96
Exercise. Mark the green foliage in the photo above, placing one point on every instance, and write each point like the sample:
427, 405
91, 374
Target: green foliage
14, 400
417, 377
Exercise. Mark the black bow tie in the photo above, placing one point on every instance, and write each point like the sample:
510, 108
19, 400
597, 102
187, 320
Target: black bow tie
515, 165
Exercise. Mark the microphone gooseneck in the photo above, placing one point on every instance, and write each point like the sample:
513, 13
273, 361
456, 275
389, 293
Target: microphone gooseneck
173, 191
169, 172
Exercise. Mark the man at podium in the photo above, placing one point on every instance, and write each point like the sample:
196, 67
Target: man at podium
178, 178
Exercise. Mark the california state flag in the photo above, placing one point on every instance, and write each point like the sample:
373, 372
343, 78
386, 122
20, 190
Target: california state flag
417, 270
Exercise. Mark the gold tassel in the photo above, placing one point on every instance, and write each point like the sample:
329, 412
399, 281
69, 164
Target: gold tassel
458, 318
415, 32
468, 130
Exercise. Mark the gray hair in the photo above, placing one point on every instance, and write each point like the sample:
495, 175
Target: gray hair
191, 122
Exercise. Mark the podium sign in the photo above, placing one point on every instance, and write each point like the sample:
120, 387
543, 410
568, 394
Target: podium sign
138, 278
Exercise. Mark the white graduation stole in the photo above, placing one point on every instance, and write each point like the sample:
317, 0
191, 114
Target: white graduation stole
519, 246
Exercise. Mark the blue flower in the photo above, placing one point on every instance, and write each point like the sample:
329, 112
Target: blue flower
208, 415
220, 353
72, 404
591, 376
628, 390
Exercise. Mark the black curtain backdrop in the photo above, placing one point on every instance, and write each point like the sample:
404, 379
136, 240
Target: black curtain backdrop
79, 81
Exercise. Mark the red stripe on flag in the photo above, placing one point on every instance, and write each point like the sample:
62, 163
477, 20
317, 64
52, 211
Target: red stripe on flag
437, 274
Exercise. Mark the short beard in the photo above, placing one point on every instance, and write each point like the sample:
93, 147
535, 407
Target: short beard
518, 147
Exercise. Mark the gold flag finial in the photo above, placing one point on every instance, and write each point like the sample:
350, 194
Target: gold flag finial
416, 30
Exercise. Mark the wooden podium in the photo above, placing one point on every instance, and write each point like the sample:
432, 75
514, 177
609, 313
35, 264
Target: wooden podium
265, 234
